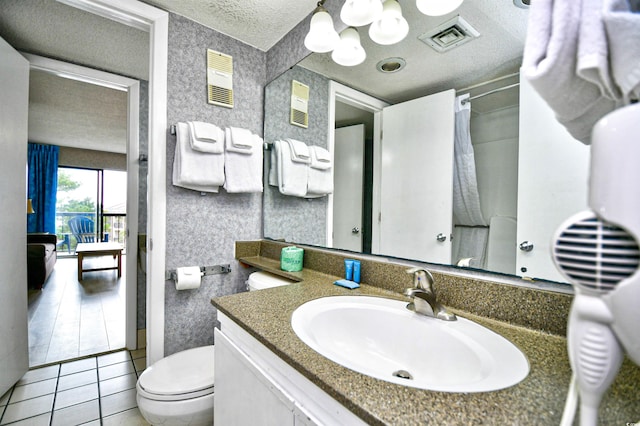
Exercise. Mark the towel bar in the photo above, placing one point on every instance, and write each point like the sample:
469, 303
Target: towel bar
172, 129
206, 270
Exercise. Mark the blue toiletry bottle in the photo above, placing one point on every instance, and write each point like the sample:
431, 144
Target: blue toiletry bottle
356, 271
348, 269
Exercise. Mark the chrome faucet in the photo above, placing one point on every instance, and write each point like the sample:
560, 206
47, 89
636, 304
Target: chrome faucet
424, 298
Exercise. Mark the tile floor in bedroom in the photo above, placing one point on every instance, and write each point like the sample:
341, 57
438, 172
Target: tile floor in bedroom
98, 390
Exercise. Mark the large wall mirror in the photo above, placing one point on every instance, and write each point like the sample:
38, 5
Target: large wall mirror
391, 136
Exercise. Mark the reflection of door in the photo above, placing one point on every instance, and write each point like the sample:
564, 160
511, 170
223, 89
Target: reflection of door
347, 193
552, 183
14, 355
417, 178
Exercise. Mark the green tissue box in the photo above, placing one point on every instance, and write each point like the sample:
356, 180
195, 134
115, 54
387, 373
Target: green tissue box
291, 259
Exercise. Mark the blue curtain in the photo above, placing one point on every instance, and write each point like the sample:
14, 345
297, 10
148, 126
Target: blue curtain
43, 186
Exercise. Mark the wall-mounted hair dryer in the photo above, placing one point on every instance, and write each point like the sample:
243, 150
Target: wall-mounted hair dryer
597, 251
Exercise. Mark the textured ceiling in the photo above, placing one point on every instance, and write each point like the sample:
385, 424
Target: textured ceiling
497, 52
51, 29
70, 113
258, 23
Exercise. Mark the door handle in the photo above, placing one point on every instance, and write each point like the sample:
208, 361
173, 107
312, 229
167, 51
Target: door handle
441, 237
355, 230
526, 246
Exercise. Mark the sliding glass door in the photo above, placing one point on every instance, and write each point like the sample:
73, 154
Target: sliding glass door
99, 196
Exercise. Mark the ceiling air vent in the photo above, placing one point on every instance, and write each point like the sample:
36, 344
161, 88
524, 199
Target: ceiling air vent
452, 33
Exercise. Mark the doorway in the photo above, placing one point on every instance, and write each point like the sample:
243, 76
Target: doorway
130, 234
348, 107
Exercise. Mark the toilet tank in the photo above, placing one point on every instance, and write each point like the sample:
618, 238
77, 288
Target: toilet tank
261, 280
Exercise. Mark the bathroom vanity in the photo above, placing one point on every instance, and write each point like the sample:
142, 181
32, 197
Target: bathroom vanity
263, 369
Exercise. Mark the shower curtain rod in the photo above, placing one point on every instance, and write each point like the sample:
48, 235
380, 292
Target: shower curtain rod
500, 89
484, 83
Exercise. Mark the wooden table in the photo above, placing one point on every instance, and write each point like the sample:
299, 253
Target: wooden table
99, 249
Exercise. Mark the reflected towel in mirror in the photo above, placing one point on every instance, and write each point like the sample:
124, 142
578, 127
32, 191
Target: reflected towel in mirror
320, 173
292, 175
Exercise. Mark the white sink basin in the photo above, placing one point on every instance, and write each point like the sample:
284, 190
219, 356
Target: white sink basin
381, 338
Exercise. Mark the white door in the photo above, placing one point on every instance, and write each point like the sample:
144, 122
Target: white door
417, 178
347, 188
14, 86
552, 183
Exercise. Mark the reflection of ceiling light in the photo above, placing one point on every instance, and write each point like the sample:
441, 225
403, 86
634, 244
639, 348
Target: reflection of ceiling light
357, 13
390, 65
322, 37
349, 51
437, 7
391, 27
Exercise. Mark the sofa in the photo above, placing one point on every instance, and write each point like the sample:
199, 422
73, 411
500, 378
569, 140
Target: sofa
41, 258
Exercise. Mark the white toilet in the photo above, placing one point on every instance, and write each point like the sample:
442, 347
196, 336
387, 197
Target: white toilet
178, 389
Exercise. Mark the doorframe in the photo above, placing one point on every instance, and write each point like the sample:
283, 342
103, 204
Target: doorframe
132, 87
147, 18
349, 96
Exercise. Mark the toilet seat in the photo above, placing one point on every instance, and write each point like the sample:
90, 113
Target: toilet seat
184, 375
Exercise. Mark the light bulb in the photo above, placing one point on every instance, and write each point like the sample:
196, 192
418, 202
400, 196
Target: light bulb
357, 13
391, 27
349, 51
437, 7
322, 37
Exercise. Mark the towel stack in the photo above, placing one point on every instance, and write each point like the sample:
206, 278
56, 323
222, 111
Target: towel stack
583, 58
199, 158
243, 162
299, 170
207, 157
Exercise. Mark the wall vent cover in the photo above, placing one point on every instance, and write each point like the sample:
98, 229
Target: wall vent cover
449, 35
219, 79
299, 104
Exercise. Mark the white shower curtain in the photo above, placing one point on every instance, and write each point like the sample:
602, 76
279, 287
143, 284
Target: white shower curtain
472, 229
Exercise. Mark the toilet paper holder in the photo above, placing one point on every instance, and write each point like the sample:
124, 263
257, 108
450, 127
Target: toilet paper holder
206, 270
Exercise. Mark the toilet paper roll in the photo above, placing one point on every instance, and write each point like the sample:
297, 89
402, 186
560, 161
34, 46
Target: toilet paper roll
188, 278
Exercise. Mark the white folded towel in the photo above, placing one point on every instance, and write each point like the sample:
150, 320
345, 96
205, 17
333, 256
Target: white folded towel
273, 165
292, 175
550, 63
320, 173
243, 166
299, 151
623, 32
206, 137
583, 58
195, 170
239, 140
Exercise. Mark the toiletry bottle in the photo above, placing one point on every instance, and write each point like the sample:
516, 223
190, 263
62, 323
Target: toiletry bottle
348, 269
356, 271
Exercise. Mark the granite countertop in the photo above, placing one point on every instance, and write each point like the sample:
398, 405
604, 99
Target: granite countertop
537, 400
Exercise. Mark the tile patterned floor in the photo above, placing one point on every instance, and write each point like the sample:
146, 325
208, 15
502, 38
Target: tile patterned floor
98, 390
70, 319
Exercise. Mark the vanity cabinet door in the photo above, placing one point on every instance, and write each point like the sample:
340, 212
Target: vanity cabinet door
416, 179
245, 396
